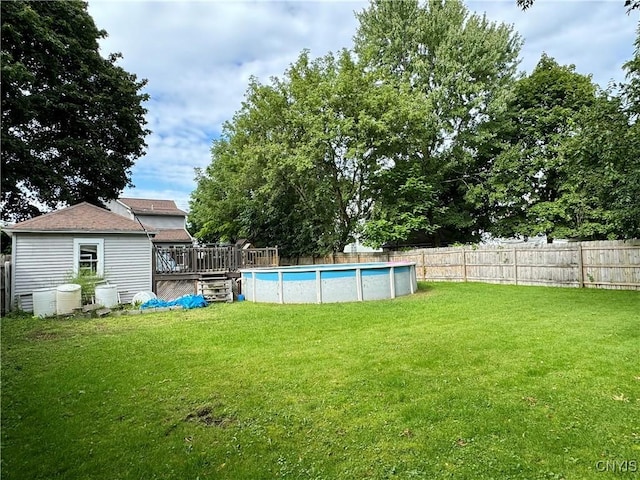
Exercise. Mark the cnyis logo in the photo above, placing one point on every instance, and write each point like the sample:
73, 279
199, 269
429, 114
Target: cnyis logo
620, 466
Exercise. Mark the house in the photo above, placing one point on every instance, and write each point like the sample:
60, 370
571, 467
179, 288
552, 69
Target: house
50, 249
358, 247
161, 216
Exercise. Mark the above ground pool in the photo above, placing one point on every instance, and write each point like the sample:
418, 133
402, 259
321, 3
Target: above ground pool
349, 282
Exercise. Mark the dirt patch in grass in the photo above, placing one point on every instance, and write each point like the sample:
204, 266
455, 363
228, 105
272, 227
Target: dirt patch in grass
207, 416
44, 335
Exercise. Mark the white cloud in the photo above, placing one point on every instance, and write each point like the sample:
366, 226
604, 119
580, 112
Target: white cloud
198, 57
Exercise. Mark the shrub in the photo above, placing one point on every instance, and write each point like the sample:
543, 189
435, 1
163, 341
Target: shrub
87, 284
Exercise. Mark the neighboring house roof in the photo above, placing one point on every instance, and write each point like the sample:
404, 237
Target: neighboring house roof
146, 206
172, 235
80, 218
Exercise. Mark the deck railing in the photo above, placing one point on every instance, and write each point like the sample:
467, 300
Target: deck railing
181, 260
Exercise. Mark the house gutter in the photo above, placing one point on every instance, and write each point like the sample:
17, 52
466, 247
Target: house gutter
10, 231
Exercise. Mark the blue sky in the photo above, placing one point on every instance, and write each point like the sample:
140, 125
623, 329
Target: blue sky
198, 57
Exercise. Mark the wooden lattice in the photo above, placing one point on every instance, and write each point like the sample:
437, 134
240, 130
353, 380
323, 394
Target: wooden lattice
172, 289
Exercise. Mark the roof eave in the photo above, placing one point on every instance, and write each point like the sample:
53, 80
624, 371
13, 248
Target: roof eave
10, 232
158, 213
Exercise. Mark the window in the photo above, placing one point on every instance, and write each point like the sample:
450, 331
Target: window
88, 254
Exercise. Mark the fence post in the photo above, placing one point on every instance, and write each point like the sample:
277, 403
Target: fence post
515, 265
424, 267
580, 266
464, 263
154, 266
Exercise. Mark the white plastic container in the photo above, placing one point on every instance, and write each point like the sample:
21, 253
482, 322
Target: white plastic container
68, 298
107, 295
142, 297
44, 302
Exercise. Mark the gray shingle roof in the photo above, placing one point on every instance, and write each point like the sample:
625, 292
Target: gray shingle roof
149, 206
172, 235
82, 217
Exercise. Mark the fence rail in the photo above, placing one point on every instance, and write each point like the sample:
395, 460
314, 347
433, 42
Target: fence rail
599, 264
180, 261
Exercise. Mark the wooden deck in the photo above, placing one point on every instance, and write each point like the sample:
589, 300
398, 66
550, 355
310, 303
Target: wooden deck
189, 270
203, 260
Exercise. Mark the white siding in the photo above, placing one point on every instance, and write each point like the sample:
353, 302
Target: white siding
127, 263
156, 221
46, 260
163, 221
40, 261
120, 209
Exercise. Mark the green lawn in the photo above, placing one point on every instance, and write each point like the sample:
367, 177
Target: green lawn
458, 381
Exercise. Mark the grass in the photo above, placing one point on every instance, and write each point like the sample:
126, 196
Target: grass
458, 381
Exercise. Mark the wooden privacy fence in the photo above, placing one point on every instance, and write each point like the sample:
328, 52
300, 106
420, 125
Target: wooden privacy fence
598, 264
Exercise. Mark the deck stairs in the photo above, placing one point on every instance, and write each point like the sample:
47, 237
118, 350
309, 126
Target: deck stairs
216, 287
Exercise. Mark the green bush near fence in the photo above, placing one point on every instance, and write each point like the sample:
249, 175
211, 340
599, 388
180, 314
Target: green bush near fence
458, 381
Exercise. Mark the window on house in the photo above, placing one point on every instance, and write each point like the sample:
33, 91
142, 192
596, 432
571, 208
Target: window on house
88, 256
89, 259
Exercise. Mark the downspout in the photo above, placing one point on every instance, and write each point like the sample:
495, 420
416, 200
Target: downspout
145, 230
153, 254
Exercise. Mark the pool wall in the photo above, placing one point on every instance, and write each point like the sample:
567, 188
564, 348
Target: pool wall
350, 282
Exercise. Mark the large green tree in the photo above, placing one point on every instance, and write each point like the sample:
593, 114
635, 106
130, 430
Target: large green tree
382, 143
599, 199
565, 156
243, 193
631, 88
458, 68
627, 203
72, 121
294, 166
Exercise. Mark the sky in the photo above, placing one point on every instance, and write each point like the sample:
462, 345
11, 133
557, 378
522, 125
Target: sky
198, 57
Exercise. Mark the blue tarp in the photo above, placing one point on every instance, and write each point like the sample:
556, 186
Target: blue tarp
186, 301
